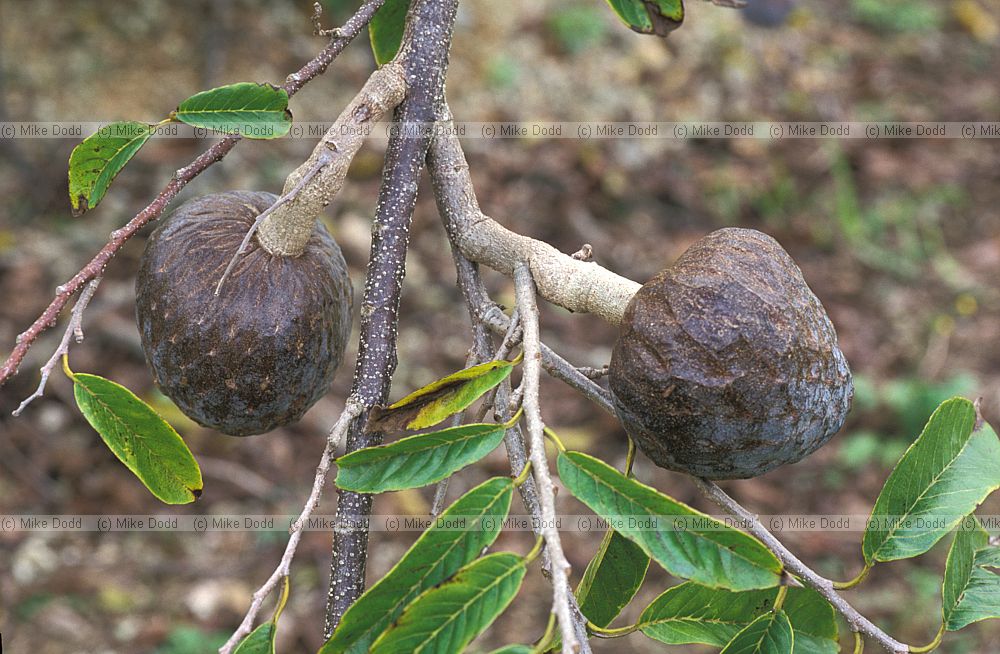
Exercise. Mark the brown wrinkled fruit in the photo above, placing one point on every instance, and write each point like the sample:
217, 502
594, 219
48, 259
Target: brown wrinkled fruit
264, 350
726, 364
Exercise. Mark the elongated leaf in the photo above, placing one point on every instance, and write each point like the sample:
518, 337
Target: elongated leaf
659, 17
612, 579
260, 640
98, 159
813, 621
513, 649
691, 613
417, 460
386, 29
438, 554
944, 475
140, 438
703, 550
256, 111
971, 590
445, 619
433, 403
771, 633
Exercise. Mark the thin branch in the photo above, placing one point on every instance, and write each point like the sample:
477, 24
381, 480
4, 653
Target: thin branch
424, 56
525, 292
352, 409
75, 330
576, 285
460, 211
478, 303
822, 585
95, 267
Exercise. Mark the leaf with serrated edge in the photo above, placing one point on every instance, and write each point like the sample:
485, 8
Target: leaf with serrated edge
260, 640
611, 579
771, 633
98, 159
437, 555
417, 460
716, 555
444, 619
659, 17
971, 588
140, 438
436, 401
255, 111
943, 476
692, 613
386, 30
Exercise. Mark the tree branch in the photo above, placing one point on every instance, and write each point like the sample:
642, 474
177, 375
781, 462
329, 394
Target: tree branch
479, 305
95, 267
823, 586
74, 329
424, 55
525, 292
352, 409
573, 284
460, 211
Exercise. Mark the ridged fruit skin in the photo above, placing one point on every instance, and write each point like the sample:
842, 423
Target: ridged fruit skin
262, 352
726, 365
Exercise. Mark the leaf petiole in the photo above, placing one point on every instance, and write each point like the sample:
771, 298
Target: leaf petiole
847, 585
65, 365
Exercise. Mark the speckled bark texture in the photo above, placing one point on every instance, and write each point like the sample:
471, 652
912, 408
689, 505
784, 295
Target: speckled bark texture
261, 353
726, 364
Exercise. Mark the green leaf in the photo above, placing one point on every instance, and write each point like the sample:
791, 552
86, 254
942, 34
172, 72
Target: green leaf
691, 613
260, 640
433, 403
943, 476
659, 17
255, 111
703, 550
771, 633
439, 552
813, 621
386, 30
971, 590
612, 579
417, 460
140, 438
445, 619
514, 649
98, 159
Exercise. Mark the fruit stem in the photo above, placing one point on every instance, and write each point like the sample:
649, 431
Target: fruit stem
311, 186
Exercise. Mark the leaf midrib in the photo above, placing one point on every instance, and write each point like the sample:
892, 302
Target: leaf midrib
934, 480
451, 548
137, 436
433, 634
697, 534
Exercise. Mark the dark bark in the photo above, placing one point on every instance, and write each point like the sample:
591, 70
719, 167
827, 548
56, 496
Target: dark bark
425, 56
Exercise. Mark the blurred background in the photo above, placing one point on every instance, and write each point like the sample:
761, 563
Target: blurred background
900, 239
